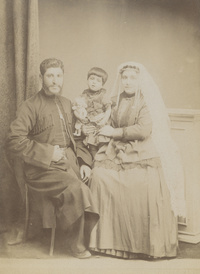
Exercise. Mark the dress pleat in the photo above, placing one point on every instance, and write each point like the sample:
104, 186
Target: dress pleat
135, 212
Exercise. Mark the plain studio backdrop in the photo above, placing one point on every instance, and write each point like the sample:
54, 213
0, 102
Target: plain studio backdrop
163, 35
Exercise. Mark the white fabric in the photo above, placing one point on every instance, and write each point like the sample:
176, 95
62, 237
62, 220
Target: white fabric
166, 148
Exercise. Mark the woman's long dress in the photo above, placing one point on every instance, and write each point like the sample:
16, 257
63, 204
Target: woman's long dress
130, 191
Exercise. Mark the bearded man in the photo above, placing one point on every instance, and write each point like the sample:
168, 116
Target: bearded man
55, 165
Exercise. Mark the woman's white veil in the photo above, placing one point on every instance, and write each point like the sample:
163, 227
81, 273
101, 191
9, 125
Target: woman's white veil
166, 148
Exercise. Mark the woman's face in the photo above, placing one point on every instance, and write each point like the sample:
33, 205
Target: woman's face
130, 81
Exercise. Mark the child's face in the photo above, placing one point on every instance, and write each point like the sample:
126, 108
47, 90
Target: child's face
95, 82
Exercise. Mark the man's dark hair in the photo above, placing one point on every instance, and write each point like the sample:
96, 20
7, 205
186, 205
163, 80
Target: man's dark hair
51, 63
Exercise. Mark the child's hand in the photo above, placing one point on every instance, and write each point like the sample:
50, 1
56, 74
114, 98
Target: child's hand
97, 118
102, 122
84, 120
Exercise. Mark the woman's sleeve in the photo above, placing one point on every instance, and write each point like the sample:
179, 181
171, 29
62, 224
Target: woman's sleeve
139, 131
106, 101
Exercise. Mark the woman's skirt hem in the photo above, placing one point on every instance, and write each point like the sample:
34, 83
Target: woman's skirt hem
130, 255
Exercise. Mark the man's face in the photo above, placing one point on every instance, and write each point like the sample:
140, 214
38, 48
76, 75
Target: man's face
52, 81
95, 82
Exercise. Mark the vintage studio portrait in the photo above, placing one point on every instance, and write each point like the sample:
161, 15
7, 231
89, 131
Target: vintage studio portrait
100, 136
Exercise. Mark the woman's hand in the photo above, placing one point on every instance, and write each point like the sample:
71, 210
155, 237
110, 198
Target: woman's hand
85, 172
106, 131
86, 130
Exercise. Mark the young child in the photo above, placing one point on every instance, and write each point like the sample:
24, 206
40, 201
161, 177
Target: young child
97, 104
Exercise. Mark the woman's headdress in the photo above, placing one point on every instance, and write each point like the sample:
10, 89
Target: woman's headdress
166, 148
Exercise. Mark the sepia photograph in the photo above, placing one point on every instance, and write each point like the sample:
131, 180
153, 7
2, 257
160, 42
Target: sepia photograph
100, 136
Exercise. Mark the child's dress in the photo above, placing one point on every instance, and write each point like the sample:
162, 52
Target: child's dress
97, 102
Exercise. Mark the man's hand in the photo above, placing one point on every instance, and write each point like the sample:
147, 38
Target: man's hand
85, 172
58, 154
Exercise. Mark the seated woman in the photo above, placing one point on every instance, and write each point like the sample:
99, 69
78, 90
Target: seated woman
137, 179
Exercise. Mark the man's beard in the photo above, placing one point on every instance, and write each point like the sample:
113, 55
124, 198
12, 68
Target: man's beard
50, 93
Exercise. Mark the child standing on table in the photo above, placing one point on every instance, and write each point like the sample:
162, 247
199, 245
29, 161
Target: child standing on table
93, 109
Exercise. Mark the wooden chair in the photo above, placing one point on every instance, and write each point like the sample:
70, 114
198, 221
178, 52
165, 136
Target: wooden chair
16, 167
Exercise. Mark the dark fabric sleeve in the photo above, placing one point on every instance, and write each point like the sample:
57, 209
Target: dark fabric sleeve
83, 155
19, 143
139, 131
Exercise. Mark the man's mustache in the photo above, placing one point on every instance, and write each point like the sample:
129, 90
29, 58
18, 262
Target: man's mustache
53, 86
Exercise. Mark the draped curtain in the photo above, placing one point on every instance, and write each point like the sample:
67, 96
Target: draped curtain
19, 48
